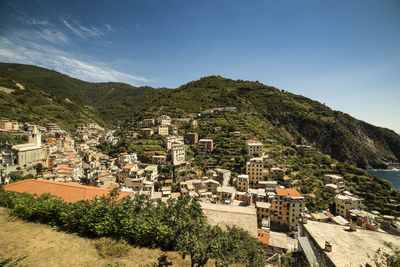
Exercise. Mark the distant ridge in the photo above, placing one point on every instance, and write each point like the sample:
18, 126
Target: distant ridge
285, 116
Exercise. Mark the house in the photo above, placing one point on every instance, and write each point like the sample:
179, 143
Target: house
148, 122
193, 124
343, 203
226, 193
263, 211
307, 150
205, 147
255, 170
151, 172
269, 186
254, 148
169, 140
66, 191
242, 182
164, 120
336, 180
211, 186
223, 176
287, 207
173, 129
52, 127
192, 138
159, 160
234, 134
177, 153
147, 132
125, 158
163, 129
319, 217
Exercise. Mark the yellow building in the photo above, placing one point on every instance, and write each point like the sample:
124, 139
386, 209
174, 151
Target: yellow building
225, 193
343, 203
254, 148
263, 211
242, 183
163, 130
255, 170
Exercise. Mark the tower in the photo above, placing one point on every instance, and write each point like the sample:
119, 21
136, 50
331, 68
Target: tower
35, 137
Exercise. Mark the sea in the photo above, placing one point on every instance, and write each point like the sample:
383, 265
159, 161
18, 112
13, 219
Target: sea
392, 175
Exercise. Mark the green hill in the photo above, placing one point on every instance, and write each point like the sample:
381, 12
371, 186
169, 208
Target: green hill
290, 118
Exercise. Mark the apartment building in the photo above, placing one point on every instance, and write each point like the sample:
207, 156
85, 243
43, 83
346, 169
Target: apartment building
192, 138
336, 180
343, 203
255, 170
287, 207
254, 148
177, 153
163, 129
242, 182
205, 146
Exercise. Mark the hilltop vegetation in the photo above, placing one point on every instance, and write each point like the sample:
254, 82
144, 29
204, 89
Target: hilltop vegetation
262, 110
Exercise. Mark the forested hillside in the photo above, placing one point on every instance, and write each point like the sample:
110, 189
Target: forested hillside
51, 96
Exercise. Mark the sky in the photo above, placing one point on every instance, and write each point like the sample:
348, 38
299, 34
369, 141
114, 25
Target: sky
343, 53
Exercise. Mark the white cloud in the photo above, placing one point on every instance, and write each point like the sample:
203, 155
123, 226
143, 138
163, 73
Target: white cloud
35, 21
52, 35
108, 27
81, 30
48, 57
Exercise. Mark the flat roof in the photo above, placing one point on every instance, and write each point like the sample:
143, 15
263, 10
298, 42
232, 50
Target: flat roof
265, 205
67, 191
228, 215
349, 248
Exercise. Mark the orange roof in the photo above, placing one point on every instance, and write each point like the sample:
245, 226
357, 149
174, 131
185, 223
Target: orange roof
128, 166
286, 177
123, 153
263, 236
168, 181
287, 192
111, 186
329, 214
67, 191
312, 195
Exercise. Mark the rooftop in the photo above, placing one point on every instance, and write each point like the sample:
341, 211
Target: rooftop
228, 215
288, 192
67, 191
349, 248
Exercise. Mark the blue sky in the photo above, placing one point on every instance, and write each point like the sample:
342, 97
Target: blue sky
343, 53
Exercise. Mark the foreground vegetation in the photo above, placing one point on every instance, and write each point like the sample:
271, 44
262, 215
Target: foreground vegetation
179, 225
34, 244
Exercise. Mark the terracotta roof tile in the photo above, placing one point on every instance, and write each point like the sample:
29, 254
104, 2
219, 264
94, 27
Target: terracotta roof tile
287, 192
67, 191
263, 236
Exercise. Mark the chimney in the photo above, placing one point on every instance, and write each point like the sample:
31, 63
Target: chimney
304, 219
328, 246
353, 222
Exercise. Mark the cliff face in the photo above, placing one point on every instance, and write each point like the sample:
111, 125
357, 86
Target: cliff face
288, 117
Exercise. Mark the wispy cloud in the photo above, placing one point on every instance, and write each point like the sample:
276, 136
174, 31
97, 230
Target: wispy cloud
52, 35
81, 30
45, 56
35, 21
109, 27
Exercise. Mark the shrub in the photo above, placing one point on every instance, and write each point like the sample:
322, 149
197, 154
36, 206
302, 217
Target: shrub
107, 247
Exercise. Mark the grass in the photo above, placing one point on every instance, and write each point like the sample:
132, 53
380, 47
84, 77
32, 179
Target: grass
45, 246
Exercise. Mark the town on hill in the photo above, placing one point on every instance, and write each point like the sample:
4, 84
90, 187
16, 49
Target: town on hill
300, 205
